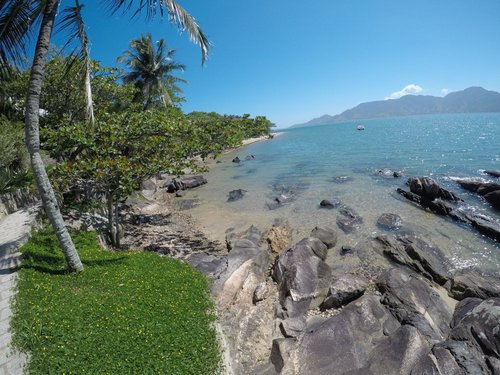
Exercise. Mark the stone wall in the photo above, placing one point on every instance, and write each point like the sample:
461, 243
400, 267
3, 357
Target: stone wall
12, 202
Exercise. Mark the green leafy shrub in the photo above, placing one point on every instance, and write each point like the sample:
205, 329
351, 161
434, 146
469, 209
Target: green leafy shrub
128, 313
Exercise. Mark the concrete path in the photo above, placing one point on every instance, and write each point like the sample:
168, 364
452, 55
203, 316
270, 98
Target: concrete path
15, 230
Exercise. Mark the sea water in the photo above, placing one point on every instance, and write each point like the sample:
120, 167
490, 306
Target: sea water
338, 161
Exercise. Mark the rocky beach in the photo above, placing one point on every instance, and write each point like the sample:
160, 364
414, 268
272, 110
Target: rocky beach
391, 302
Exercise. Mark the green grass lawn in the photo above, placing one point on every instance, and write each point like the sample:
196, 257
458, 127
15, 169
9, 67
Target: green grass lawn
127, 313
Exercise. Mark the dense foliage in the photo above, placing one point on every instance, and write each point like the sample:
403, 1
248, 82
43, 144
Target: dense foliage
128, 313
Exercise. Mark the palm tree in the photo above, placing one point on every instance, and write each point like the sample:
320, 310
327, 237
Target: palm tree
17, 19
150, 70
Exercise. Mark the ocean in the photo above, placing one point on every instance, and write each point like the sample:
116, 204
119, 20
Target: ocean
340, 162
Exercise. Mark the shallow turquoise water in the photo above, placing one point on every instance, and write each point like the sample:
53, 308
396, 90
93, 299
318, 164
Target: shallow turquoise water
304, 162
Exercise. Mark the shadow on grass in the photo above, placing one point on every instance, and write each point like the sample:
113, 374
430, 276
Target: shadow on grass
55, 265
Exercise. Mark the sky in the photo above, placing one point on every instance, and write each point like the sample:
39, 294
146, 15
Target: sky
294, 60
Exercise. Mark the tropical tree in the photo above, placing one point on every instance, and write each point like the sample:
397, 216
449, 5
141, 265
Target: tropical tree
150, 70
17, 19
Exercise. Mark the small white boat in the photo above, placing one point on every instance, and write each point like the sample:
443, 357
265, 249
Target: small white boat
360, 127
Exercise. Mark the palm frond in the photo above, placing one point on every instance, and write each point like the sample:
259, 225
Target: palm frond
72, 22
17, 20
176, 14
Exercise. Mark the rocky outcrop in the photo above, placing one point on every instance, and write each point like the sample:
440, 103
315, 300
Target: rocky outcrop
303, 277
416, 254
186, 182
489, 190
429, 195
412, 301
494, 173
245, 302
340, 344
472, 283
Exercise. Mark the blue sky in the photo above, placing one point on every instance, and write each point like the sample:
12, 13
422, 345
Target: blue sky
293, 61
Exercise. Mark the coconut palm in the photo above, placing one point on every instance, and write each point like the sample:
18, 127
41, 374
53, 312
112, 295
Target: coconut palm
150, 70
20, 17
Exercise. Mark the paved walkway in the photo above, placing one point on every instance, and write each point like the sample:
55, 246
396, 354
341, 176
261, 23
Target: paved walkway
14, 231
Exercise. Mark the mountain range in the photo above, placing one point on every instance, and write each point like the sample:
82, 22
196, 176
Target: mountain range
470, 100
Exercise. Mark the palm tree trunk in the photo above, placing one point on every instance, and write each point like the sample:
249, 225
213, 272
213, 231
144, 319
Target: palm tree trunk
33, 139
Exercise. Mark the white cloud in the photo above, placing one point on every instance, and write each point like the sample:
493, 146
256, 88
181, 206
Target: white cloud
407, 90
445, 92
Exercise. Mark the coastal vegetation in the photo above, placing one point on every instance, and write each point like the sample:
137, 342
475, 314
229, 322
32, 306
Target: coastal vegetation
129, 312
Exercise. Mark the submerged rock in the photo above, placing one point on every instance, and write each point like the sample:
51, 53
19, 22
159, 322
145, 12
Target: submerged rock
389, 221
348, 220
342, 179
235, 195
330, 203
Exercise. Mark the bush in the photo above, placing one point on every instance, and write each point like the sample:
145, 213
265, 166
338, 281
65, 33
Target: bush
127, 313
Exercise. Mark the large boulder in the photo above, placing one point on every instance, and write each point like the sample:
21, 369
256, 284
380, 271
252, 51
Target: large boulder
399, 353
303, 277
428, 188
412, 301
345, 289
494, 198
416, 254
326, 235
472, 283
344, 342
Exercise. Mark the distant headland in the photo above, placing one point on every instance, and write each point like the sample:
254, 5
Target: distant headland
470, 100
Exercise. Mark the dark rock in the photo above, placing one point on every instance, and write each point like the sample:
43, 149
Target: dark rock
249, 157
479, 187
344, 250
479, 326
472, 283
462, 308
326, 235
260, 293
209, 264
435, 205
413, 302
342, 179
281, 353
426, 187
218, 162
303, 277
389, 221
388, 173
411, 251
179, 193
493, 198
235, 195
348, 220
293, 327
399, 353
186, 182
236, 160
344, 342
344, 290
494, 173
462, 355
332, 203
445, 362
